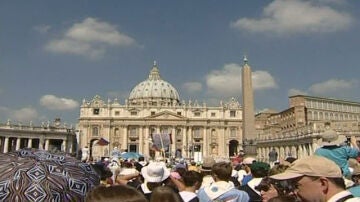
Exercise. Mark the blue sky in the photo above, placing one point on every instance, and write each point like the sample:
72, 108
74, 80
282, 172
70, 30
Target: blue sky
53, 54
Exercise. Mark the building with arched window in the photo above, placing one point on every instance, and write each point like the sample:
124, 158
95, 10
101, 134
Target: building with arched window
154, 107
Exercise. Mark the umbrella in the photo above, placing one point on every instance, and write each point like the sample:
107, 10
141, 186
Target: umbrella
131, 155
37, 175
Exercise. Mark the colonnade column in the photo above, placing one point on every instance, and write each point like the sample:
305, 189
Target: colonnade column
6, 145
47, 141
18, 143
29, 145
63, 146
300, 151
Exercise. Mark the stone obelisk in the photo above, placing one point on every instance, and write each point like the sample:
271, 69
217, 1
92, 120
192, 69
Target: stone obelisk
248, 115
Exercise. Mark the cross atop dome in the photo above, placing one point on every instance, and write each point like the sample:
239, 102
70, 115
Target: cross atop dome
154, 73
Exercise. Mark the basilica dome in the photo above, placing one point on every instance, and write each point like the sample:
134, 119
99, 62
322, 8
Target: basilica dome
154, 90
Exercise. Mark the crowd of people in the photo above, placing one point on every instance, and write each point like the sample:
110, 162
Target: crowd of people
331, 174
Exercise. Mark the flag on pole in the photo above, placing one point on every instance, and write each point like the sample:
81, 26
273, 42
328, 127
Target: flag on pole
102, 142
161, 141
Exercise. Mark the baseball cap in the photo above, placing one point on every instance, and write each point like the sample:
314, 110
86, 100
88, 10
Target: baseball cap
316, 166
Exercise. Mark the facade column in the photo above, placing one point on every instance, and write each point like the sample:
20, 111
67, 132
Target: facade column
147, 142
29, 145
6, 145
205, 145
304, 150
141, 140
190, 142
226, 135
185, 147
18, 143
173, 140
47, 141
221, 142
124, 145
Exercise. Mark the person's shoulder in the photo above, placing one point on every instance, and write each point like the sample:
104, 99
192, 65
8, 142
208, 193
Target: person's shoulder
235, 194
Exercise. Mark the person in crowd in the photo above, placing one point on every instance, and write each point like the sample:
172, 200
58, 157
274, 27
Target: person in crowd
104, 173
316, 178
127, 168
283, 198
154, 176
140, 163
205, 170
258, 171
355, 189
181, 164
191, 183
269, 188
334, 147
114, 167
273, 157
247, 176
164, 194
222, 189
115, 193
193, 166
85, 154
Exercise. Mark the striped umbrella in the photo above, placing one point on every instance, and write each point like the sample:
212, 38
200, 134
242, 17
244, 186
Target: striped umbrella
37, 175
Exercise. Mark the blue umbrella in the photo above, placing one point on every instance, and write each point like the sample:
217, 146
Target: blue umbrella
131, 155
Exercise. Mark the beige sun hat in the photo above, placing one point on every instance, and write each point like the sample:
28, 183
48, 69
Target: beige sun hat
316, 166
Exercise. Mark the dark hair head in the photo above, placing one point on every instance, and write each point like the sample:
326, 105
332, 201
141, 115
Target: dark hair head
259, 169
190, 178
222, 170
113, 193
164, 194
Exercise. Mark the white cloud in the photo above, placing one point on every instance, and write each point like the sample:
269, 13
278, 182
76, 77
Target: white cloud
227, 81
295, 91
90, 38
296, 16
332, 86
43, 29
25, 114
55, 103
263, 80
192, 87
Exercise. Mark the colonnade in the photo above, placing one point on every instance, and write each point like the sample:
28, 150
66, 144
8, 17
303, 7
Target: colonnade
37, 143
289, 150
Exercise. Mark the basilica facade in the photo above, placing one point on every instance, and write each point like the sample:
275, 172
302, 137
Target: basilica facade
154, 107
